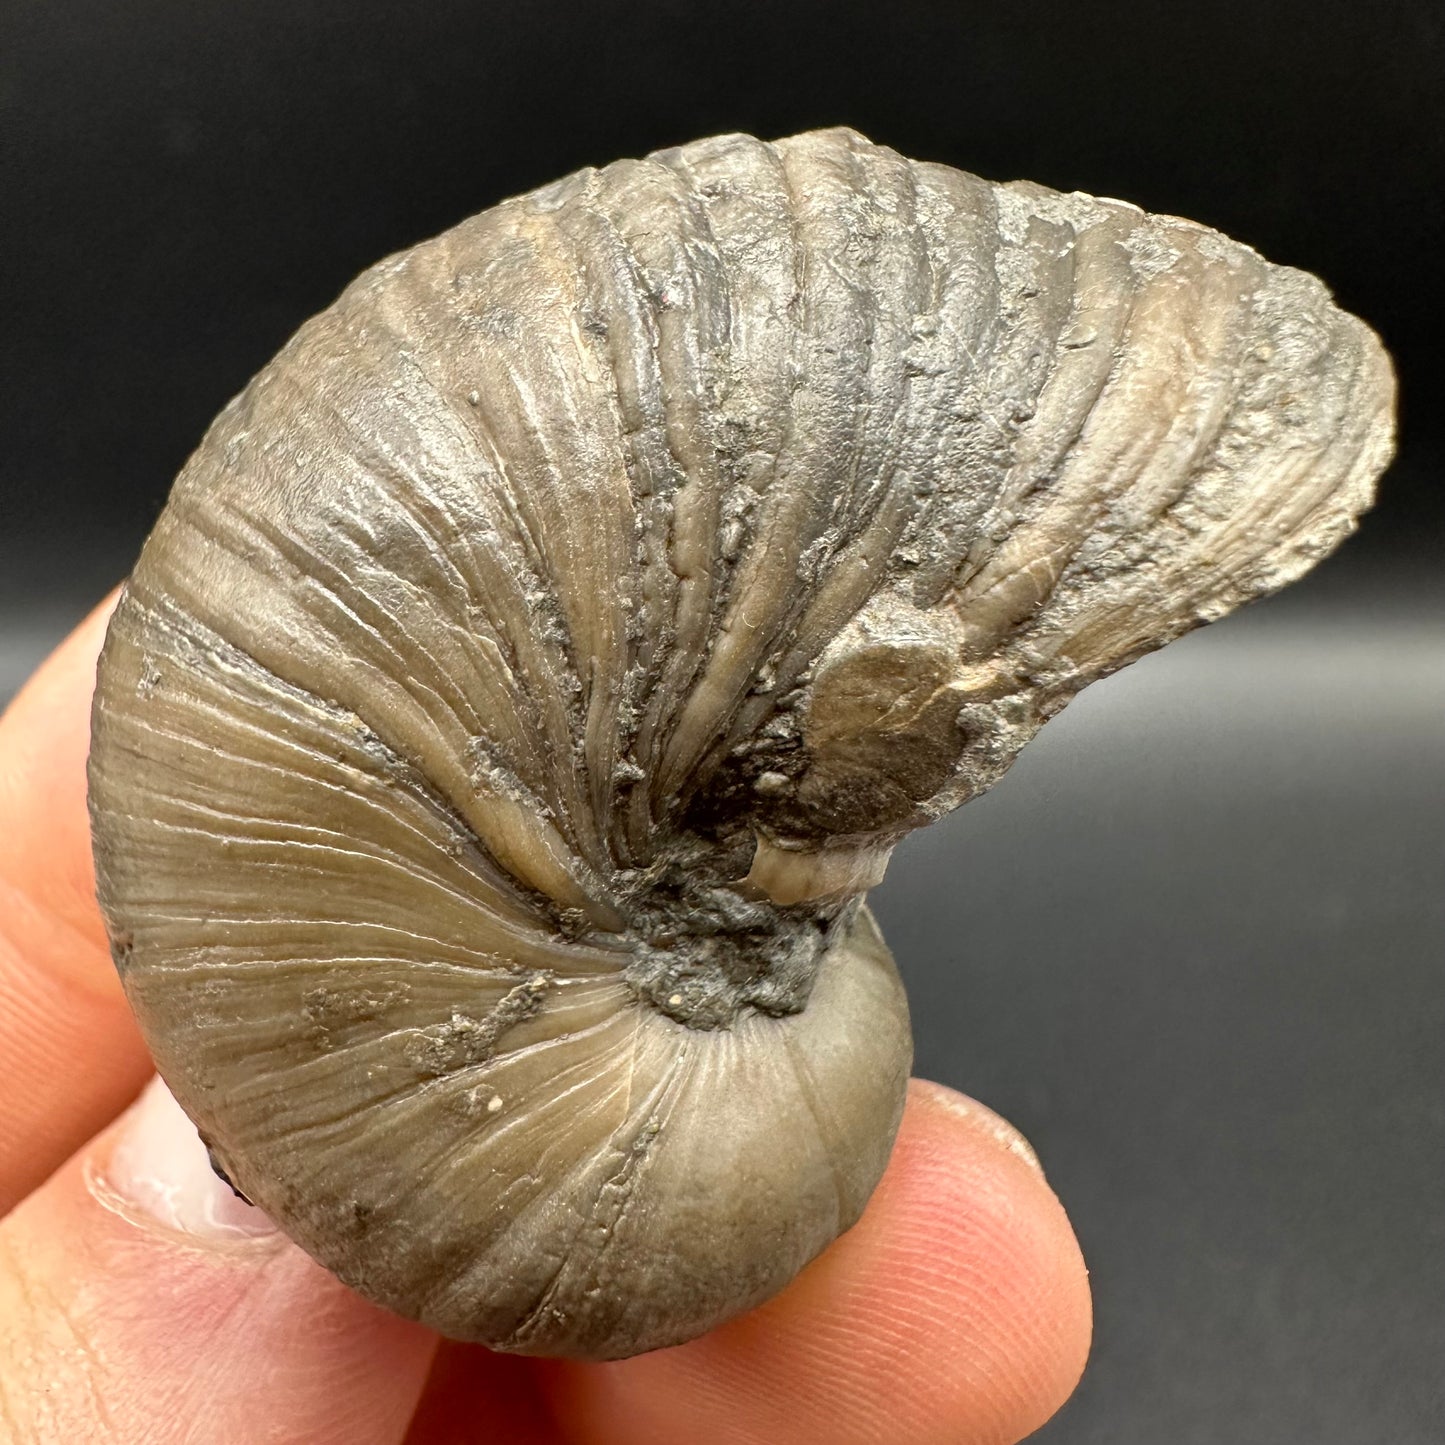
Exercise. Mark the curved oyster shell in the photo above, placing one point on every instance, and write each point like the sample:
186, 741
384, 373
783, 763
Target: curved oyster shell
533, 666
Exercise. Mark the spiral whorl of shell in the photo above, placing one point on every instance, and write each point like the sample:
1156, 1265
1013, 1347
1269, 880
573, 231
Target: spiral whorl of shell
535, 664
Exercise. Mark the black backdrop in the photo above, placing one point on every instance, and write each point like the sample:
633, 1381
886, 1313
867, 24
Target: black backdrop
1194, 948
186, 180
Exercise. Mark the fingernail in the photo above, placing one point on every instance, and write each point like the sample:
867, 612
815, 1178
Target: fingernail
995, 1124
159, 1165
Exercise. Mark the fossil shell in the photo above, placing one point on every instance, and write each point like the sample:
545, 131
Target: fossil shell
534, 666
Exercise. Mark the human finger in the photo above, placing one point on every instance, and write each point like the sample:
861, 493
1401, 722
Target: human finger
70, 1055
957, 1310
140, 1300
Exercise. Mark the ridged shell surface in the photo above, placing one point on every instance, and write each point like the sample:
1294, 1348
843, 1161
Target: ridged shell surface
534, 666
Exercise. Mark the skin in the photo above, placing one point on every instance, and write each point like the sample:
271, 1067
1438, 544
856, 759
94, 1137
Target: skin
956, 1311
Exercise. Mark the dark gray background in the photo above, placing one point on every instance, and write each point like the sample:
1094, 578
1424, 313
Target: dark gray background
1192, 944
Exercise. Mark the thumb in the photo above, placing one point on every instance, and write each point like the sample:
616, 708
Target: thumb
141, 1300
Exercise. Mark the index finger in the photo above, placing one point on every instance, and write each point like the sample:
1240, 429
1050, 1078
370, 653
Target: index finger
955, 1312
70, 1055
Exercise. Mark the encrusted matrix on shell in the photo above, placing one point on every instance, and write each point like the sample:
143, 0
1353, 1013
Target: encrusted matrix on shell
535, 665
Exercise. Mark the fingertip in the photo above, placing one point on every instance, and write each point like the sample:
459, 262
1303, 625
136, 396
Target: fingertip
157, 1167
130, 1308
998, 1247
925, 1095
957, 1310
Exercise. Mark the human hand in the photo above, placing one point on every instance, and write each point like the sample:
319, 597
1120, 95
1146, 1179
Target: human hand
141, 1302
